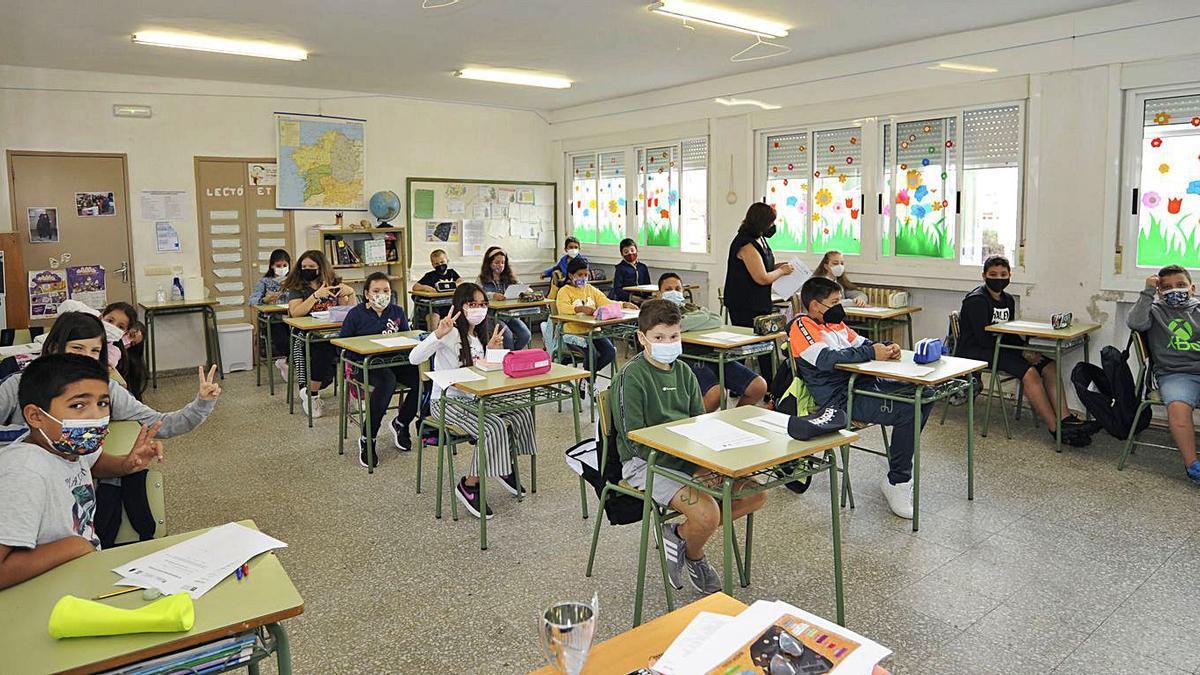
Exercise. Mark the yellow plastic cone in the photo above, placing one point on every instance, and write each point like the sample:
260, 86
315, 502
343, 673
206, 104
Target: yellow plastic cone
76, 617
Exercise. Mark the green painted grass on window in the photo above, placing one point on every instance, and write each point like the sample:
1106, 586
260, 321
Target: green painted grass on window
840, 238
658, 233
1155, 248
916, 238
610, 234
787, 237
585, 235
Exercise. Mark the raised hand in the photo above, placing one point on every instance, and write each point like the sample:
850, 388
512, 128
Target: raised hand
1152, 281
447, 323
145, 449
497, 339
209, 389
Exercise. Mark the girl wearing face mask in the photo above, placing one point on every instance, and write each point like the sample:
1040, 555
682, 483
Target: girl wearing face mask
570, 252
311, 286
577, 296
378, 315
495, 276
119, 318
628, 272
833, 266
269, 291
459, 340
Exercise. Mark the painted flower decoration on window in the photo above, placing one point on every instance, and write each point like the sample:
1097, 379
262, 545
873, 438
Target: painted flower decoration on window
831, 169
832, 148
854, 140
849, 202
1173, 205
1156, 143
914, 179
1151, 200
838, 208
925, 162
664, 214
918, 211
802, 207
945, 203
825, 231
774, 169
1193, 187
937, 206
849, 160
591, 203
791, 201
816, 217
887, 209
1163, 168
1162, 118
949, 144
902, 197
823, 197
853, 214
612, 206
920, 193
842, 178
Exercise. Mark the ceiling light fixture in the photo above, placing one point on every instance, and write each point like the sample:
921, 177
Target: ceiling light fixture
964, 68
437, 4
746, 101
209, 43
721, 18
522, 77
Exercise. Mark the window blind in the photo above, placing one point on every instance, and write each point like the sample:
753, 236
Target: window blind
838, 148
787, 155
694, 153
1175, 110
924, 139
659, 160
584, 167
612, 164
992, 137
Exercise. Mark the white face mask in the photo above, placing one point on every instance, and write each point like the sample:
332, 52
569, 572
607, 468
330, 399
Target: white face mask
281, 272
674, 296
838, 270
111, 332
572, 252
476, 315
381, 300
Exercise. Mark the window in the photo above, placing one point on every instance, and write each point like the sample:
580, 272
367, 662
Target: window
658, 194
923, 193
837, 191
1165, 195
584, 217
991, 183
787, 189
693, 227
610, 201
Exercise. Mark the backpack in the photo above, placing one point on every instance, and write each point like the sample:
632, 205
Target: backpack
584, 459
1108, 392
790, 396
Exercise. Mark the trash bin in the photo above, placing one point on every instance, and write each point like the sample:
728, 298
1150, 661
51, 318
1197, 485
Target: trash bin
237, 347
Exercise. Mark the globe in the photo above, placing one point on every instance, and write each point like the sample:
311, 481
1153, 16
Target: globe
385, 205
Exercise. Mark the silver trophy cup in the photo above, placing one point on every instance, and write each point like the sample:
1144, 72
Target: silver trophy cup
566, 631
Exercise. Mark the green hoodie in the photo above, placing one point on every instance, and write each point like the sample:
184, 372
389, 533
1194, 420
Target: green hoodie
696, 317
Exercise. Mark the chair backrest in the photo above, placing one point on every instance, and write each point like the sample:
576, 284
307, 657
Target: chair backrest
954, 329
604, 409
1143, 379
556, 279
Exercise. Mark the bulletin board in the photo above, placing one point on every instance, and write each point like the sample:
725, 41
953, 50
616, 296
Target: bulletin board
466, 216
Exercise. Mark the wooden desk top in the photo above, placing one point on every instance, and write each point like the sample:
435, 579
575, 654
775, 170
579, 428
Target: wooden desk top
697, 337
633, 649
431, 294
271, 309
944, 369
878, 312
365, 345
519, 304
737, 462
309, 323
176, 304
230, 608
1040, 329
496, 382
592, 321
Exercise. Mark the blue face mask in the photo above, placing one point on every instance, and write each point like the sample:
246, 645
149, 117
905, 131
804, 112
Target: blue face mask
665, 352
1176, 297
674, 296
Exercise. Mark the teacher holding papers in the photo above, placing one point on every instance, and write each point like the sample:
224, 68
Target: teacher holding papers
750, 271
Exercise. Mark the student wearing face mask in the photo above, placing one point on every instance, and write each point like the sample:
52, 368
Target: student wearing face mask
377, 315
989, 304
577, 296
311, 286
570, 252
269, 291
495, 276
628, 272
833, 266
1168, 313
459, 340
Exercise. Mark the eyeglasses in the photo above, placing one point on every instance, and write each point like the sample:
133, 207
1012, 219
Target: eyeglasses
785, 661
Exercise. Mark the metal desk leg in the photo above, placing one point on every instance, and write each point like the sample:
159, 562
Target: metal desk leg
726, 534
283, 648
481, 453
916, 468
270, 356
372, 453
909, 321
970, 439
291, 361
1087, 357
835, 515
153, 348
993, 384
308, 379
647, 500
591, 341
583, 503
211, 314
721, 379
343, 399
1059, 395
257, 361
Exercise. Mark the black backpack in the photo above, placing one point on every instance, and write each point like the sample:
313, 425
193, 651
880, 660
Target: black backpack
1109, 393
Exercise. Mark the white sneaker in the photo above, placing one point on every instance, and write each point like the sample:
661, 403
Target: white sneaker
318, 407
899, 497
281, 365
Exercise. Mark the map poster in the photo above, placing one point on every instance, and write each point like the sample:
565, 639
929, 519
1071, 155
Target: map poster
85, 283
47, 290
321, 162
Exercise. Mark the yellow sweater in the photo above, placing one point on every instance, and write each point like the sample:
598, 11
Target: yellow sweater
571, 296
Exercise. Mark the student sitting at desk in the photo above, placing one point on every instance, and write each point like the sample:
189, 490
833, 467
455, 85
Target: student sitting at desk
820, 341
989, 304
47, 492
628, 272
577, 296
312, 287
268, 291
570, 252
379, 315
748, 386
652, 388
441, 278
1166, 304
495, 276
833, 266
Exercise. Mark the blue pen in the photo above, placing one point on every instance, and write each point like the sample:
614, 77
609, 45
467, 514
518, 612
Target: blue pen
238, 572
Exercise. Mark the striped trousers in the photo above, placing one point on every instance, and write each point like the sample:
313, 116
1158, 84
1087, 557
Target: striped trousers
504, 435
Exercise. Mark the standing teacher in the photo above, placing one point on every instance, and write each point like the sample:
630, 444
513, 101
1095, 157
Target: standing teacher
750, 271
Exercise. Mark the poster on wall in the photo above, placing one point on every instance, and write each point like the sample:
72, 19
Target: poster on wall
263, 173
85, 283
164, 204
43, 224
441, 230
95, 204
320, 162
47, 290
166, 237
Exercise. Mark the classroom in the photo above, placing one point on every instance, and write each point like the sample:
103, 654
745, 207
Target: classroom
600, 336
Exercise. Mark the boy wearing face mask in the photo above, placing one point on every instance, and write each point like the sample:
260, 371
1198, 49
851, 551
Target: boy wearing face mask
47, 489
989, 304
628, 272
577, 296
570, 252
819, 341
1168, 312
441, 272
654, 388
378, 315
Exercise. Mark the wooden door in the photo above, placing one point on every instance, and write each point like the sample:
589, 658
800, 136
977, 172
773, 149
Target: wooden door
239, 227
71, 211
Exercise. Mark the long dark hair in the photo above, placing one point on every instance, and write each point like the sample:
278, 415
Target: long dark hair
125, 308
74, 326
293, 282
485, 271
758, 219
132, 366
462, 295
824, 270
277, 255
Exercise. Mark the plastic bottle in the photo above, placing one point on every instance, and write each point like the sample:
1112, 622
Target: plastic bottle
176, 290
160, 295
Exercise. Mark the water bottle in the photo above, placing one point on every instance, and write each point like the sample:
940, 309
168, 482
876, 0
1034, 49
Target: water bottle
161, 295
176, 290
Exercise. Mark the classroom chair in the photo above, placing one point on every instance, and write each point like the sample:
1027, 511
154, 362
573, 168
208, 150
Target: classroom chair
986, 390
120, 439
721, 303
556, 282
1148, 396
356, 408
19, 336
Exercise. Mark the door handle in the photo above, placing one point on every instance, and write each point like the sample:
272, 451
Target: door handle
123, 271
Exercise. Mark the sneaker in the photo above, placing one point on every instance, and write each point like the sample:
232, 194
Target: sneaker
312, 401
703, 576
362, 452
899, 497
675, 549
281, 366
1193, 471
469, 496
400, 435
509, 482
1075, 436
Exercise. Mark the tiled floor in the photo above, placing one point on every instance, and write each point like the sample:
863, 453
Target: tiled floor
1061, 564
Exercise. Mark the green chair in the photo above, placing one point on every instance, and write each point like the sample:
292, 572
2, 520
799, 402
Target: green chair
352, 391
120, 440
1003, 379
1148, 397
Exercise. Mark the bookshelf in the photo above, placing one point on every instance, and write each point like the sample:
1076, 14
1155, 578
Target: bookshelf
355, 252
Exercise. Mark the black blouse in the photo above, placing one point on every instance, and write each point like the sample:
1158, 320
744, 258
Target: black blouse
742, 293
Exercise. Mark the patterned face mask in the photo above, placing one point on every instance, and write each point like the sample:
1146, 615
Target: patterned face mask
1176, 297
78, 437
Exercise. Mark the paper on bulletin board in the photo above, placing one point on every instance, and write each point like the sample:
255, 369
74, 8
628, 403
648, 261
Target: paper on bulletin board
525, 196
166, 238
85, 283
423, 203
226, 243
225, 229
456, 191
456, 207
506, 195
545, 239
164, 204
480, 211
472, 237
47, 290
441, 231
497, 229
487, 193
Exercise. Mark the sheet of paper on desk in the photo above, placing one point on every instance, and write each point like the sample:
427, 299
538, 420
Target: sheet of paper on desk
774, 421
630, 313
514, 291
398, 341
448, 378
717, 435
1029, 325
901, 368
691, 640
787, 286
196, 565
724, 336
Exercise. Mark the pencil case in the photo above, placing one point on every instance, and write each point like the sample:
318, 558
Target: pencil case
609, 311
526, 363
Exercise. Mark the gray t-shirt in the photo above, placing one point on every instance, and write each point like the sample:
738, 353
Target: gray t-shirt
44, 498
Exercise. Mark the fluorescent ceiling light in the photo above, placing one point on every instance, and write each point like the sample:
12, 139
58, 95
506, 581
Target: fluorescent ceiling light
965, 68
746, 101
209, 43
721, 18
523, 77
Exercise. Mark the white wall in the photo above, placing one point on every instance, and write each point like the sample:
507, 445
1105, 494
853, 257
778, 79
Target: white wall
72, 111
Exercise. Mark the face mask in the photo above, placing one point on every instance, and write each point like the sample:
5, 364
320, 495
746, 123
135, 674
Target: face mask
308, 275
1176, 297
497, 269
674, 296
127, 341
665, 352
381, 300
111, 332
572, 252
770, 232
78, 437
835, 314
996, 285
476, 315
441, 269
838, 270
579, 281
281, 272
630, 258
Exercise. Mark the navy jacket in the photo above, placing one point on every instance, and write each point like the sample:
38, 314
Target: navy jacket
628, 275
362, 320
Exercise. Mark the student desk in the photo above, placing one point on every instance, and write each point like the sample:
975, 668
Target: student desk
307, 330
266, 316
499, 393
519, 309
1064, 340
261, 601
212, 344
428, 301
720, 352
621, 329
371, 356
950, 375
545, 282
811, 457
648, 290
875, 318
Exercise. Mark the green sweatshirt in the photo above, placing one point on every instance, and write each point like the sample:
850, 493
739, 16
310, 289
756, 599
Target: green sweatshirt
645, 396
696, 317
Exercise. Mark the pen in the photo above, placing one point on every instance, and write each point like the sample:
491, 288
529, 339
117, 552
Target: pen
238, 572
114, 594
245, 570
